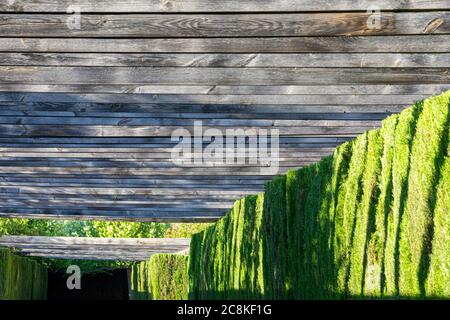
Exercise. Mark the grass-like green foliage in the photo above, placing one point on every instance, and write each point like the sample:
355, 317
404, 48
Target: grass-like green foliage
163, 277
21, 278
370, 221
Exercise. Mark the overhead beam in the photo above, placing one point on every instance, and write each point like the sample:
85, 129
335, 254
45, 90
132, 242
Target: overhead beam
132, 249
148, 6
361, 44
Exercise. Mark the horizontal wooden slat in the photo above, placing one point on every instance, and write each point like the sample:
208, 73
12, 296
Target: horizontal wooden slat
156, 215
224, 25
123, 191
152, 242
398, 44
117, 206
420, 89
80, 200
94, 256
137, 152
143, 131
224, 76
94, 248
318, 99
146, 6
175, 118
108, 121
80, 108
148, 142
255, 60
142, 171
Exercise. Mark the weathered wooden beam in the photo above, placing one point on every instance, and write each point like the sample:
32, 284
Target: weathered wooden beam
397, 44
143, 131
223, 76
148, 215
242, 170
116, 109
320, 100
94, 248
265, 90
250, 60
225, 25
148, 6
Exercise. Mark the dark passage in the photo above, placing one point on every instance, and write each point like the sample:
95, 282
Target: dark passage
111, 285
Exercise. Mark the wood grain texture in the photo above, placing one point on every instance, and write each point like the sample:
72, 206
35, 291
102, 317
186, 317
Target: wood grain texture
265, 90
148, 6
161, 99
130, 249
255, 60
118, 109
223, 76
362, 44
86, 114
224, 25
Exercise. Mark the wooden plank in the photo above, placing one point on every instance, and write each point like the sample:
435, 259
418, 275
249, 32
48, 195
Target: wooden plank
138, 152
181, 171
285, 153
80, 108
118, 206
94, 198
224, 25
224, 76
69, 256
124, 191
145, 6
197, 217
7, 116
65, 163
254, 60
119, 122
155, 215
414, 89
93, 201
152, 242
398, 44
319, 99
143, 131
147, 142
94, 248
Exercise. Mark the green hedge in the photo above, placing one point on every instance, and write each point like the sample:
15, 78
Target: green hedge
21, 278
372, 220
163, 277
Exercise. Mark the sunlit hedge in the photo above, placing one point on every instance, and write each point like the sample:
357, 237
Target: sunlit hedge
163, 277
21, 278
372, 220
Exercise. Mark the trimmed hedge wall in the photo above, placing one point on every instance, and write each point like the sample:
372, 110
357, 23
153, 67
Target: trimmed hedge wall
21, 278
370, 221
163, 277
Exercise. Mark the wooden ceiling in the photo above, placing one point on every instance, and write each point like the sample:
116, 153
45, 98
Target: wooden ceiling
87, 113
126, 249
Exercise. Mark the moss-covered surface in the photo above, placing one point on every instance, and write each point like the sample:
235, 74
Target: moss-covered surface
21, 278
163, 277
371, 221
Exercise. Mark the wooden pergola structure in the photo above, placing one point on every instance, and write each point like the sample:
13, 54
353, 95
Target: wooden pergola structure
89, 99
125, 249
